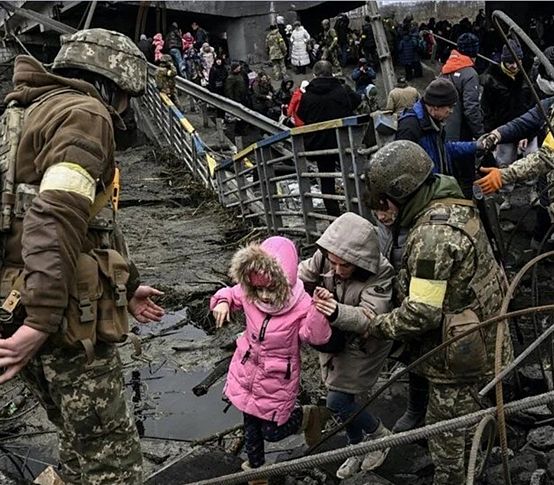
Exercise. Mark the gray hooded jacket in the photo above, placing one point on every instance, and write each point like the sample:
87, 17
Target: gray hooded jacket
354, 239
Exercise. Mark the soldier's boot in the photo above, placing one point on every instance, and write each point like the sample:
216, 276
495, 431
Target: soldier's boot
418, 395
313, 421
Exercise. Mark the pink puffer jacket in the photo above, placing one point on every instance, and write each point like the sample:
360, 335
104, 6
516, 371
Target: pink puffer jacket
264, 375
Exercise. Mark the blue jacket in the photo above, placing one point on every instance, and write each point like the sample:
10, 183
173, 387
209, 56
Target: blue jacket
528, 125
407, 50
415, 124
363, 79
456, 158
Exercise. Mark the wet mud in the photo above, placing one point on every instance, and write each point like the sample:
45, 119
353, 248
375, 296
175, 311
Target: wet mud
182, 241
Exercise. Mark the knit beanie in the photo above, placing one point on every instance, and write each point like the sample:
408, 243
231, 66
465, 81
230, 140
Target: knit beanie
507, 55
468, 44
440, 92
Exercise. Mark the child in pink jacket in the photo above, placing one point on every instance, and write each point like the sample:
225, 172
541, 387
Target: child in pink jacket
264, 374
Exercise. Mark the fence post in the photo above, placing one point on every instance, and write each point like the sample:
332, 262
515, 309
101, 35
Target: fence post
358, 167
238, 166
262, 177
300, 162
273, 204
344, 142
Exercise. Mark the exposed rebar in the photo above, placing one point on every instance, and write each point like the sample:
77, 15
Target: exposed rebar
279, 469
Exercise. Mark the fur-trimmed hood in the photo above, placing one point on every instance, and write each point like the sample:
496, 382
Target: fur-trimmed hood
275, 258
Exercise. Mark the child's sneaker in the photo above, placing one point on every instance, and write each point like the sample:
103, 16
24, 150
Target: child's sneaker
376, 458
258, 481
350, 467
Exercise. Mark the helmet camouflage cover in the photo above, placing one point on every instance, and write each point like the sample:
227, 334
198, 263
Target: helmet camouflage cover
105, 52
396, 171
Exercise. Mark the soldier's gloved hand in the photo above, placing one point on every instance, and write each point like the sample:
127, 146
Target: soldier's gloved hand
19, 349
491, 182
488, 141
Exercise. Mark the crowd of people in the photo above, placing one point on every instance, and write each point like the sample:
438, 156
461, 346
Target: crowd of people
398, 289
429, 240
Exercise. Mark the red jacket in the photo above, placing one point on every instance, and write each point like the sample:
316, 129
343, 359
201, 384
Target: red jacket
293, 107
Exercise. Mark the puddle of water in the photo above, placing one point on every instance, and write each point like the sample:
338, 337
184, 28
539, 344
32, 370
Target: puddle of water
164, 404
166, 407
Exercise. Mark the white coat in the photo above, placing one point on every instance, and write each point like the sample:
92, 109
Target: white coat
299, 47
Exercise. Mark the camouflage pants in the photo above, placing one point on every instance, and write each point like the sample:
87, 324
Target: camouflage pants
450, 450
279, 68
98, 441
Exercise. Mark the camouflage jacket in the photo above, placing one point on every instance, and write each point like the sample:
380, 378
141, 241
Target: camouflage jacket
532, 166
165, 78
329, 39
541, 162
448, 266
275, 45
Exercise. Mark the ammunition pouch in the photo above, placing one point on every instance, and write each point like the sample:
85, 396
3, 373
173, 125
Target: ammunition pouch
11, 313
468, 354
97, 308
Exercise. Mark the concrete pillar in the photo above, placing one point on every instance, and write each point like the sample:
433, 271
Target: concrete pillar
246, 38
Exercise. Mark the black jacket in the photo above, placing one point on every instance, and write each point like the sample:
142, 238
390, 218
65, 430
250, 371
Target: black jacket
173, 40
325, 99
216, 79
503, 98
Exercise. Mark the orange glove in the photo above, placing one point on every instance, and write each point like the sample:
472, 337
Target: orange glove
491, 182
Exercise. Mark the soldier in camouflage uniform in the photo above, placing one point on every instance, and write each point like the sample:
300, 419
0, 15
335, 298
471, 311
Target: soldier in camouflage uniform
63, 165
537, 164
276, 50
448, 268
329, 45
165, 76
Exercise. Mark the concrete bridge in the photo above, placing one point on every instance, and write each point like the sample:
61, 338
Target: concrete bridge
239, 26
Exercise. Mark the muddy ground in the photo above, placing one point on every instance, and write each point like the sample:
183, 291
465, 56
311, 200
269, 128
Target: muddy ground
182, 241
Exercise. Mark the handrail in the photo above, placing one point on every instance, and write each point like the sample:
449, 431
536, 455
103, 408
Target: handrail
228, 105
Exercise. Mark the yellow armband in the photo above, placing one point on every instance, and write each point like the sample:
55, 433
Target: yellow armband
429, 292
69, 177
549, 142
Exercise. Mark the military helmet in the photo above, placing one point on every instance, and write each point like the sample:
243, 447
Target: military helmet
105, 52
166, 58
325, 23
396, 171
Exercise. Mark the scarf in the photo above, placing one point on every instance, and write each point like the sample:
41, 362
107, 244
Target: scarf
545, 85
510, 74
296, 293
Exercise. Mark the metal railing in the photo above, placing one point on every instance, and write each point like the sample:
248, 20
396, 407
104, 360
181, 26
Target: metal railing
273, 183
200, 93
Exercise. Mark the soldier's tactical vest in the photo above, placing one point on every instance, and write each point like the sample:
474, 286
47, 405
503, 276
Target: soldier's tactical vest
472, 354
97, 308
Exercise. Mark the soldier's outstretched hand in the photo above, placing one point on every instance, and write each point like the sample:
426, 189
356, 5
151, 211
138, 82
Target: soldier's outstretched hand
491, 182
19, 349
143, 308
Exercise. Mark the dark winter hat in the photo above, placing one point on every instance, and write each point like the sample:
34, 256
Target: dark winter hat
468, 44
362, 61
440, 92
235, 65
507, 55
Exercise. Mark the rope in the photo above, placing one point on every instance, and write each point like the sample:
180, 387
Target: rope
404, 438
